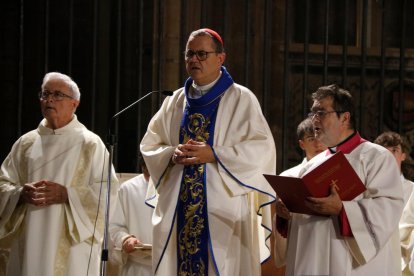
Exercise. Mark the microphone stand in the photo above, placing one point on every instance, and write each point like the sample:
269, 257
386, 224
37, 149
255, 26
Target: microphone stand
111, 141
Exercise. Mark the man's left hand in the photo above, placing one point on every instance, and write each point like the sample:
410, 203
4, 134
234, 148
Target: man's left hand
194, 153
47, 193
330, 205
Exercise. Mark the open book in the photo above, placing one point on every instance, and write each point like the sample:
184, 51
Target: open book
144, 246
336, 170
142, 250
140, 246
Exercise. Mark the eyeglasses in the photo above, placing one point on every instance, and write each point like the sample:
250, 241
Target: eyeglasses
309, 139
57, 95
201, 54
322, 113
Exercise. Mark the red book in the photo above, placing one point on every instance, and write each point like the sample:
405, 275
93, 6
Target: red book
336, 170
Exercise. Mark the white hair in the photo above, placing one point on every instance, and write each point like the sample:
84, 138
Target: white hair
72, 85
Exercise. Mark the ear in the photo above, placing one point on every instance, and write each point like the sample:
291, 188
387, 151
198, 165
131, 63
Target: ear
346, 117
75, 104
403, 156
222, 58
301, 144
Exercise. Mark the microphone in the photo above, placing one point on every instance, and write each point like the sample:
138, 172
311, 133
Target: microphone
111, 141
164, 92
110, 138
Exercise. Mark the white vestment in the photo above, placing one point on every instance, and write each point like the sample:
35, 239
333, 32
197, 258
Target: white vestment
296, 170
280, 242
406, 229
56, 239
315, 245
132, 216
238, 196
407, 188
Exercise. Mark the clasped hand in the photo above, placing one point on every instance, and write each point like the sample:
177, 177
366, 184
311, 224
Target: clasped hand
44, 193
193, 153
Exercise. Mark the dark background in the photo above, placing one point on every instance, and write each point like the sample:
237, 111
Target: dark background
117, 51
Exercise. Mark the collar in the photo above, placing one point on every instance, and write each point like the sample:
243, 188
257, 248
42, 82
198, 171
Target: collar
218, 88
348, 145
198, 91
43, 130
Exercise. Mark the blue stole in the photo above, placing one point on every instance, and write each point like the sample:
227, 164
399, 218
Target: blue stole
192, 216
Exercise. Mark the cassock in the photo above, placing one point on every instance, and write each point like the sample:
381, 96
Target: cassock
317, 245
132, 217
56, 239
238, 196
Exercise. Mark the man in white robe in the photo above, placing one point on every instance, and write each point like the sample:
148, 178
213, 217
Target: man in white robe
130, 226
232, 162
399, 148
49, 190
357, 237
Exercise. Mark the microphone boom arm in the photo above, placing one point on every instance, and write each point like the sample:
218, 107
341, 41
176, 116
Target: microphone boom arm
111, 142
164, 92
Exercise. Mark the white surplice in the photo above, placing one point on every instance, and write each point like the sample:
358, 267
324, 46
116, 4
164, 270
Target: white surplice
132, 216
407, 188
296, 170
315, 246
238, 196
280, 245
406, 228
56, 239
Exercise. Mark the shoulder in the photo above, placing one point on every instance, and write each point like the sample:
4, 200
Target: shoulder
177, 96
371, 150
374, 158
240, 91
136, 181
27, 139
294, 171
407, 182
134, 186
241, 96
29, 135
89, 136
173, 103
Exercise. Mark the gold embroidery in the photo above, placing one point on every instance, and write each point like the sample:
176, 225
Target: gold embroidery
192, 195
197, 127
62, 253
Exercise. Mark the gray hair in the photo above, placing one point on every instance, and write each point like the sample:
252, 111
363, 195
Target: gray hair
216, 43
65, 78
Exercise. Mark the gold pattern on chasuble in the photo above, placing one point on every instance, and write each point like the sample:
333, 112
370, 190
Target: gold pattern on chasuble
81, 182
197, 127
26, 145
192, 193
14, 226
63, 249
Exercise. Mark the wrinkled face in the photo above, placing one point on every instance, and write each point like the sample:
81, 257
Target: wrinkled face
328, 126
311, 145
203, 71
398, 154
58, 113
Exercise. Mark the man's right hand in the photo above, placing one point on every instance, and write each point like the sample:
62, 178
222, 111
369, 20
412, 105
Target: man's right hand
44, 193
281, 210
